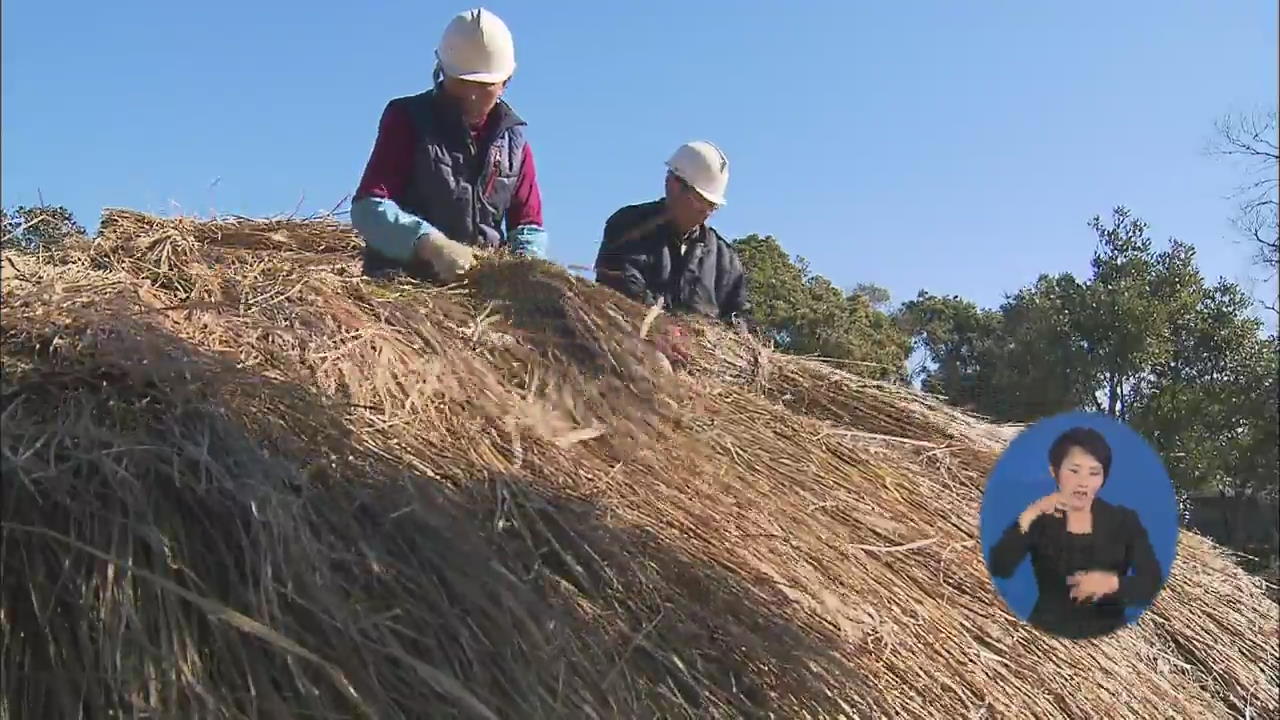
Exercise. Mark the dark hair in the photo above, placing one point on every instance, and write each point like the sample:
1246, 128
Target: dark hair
1088, 440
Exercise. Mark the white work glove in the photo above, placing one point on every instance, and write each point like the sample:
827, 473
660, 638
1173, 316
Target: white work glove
449, 259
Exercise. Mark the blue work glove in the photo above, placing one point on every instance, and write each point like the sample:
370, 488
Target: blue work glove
530, 241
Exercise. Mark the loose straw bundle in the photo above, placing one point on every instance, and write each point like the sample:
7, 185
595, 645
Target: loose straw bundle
240, 480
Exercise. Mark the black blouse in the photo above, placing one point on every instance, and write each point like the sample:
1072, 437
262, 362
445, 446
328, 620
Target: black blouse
1118, 544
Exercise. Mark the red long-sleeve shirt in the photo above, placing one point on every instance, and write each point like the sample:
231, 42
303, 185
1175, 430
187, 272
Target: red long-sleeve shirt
390, 168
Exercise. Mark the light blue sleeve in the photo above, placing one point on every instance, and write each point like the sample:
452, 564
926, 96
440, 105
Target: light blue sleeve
530, 241
386, 228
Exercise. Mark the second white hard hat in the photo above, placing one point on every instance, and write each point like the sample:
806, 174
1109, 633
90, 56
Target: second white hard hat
477, 46
704, 167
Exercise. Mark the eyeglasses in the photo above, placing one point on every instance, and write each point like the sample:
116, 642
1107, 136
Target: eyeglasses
690, 190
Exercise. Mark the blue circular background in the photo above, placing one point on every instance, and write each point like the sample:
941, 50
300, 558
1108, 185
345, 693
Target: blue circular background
1138, 480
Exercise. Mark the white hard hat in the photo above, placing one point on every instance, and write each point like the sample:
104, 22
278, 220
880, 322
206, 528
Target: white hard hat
704, 167
477, 46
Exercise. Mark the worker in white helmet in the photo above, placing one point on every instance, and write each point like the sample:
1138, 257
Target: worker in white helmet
664, 249
451, 170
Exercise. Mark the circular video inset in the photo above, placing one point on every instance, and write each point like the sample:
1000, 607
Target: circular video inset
1079, 525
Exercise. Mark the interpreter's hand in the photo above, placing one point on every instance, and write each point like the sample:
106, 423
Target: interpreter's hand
449, 259
1051, 504
1090, 585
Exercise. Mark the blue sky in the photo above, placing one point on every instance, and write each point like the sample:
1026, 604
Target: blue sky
955, 146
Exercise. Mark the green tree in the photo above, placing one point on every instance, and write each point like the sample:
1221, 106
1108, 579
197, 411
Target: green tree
1042, 362
960, 342
1143, 339
1122, 322
806, 314
1018, 363
877, 296
1211, 403
30, 228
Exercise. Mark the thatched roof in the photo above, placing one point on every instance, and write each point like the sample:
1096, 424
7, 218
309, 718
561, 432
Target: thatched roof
242, 481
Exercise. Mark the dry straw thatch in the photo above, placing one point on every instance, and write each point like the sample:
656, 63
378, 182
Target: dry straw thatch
242, 481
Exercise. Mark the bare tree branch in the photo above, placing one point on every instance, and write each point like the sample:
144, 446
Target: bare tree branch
1251, 136
1253, 139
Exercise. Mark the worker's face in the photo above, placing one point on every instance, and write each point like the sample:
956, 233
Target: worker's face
476, 99
686, 208
1079, 478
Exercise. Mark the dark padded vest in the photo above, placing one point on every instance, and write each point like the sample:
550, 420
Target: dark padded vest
459, 187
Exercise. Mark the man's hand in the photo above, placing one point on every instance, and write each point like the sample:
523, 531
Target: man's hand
488, 237
1090, 585
449, 259
673, 344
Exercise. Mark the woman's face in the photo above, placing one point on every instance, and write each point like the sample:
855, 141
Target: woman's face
475, 99
1079, 478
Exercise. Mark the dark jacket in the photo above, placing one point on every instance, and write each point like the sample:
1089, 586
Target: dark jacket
1118, 543
640, 257
459, 184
